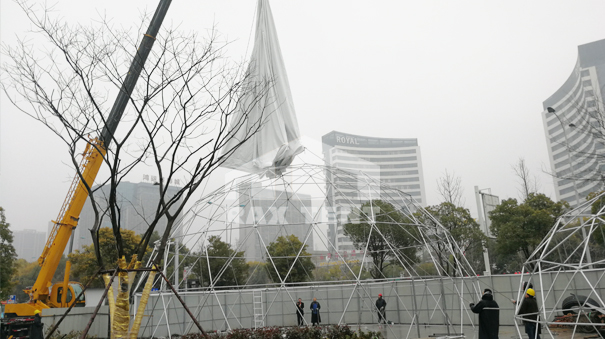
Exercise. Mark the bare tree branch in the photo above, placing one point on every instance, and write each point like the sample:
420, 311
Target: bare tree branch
528, 183
450, 188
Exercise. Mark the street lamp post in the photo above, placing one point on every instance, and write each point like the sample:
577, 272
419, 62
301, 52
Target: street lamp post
573, 178
573, 172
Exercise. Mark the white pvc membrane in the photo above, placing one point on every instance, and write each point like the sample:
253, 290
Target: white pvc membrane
266, 99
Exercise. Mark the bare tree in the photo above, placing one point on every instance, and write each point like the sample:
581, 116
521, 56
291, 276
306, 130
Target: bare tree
529, 184
450, 188
180, 115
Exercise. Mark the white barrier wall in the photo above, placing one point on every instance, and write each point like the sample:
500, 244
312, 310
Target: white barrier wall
432, 301
340, 303
77, 319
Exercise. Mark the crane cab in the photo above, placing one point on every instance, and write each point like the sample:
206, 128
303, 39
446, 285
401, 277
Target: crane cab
73, 290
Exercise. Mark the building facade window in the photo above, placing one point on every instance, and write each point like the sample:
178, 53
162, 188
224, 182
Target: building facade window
394, 162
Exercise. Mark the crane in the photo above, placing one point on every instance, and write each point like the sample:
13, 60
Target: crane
63, 294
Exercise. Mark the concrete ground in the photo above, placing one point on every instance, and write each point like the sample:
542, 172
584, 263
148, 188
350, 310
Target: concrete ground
506, 332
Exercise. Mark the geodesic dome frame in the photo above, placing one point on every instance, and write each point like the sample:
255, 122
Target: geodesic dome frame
309, 200
568, 279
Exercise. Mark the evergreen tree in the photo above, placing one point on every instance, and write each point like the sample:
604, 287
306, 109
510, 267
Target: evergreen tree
8, 256
383, 230
284, 254
519, 228
227, 267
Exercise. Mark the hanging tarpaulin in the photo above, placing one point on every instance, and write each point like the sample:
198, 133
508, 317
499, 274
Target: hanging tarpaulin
266, 98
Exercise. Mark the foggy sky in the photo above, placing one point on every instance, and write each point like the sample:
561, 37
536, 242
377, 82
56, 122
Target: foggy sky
467, 78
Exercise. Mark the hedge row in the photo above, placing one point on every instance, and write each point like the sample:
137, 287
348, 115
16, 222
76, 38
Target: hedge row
316, 332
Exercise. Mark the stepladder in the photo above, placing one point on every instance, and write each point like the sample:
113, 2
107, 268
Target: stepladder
257, 302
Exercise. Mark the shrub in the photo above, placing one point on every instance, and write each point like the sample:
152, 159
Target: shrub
315, 332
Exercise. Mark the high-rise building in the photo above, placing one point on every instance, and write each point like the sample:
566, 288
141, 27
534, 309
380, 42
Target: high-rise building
268, 214
137, 203
394, 161
573, 120
29, 244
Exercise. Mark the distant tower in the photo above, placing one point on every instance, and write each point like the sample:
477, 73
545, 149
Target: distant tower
137, 202
268, 213
29, 244
574, 127
394, 161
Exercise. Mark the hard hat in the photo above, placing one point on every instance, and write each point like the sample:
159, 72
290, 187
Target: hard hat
380, 294
531, 292
36, 312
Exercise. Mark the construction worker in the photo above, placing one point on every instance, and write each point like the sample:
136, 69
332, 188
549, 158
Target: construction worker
37, 329
315, 316
489, 315
529, 312
381, 304
300, 312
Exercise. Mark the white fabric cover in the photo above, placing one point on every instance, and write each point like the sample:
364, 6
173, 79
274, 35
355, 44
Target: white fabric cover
276, 144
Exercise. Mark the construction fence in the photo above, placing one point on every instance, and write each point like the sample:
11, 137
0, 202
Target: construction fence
418, 302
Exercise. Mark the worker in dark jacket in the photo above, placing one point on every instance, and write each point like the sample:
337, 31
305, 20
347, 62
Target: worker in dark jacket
315, 315
381, 304
529, 312
489, 315
37, 329
300, 312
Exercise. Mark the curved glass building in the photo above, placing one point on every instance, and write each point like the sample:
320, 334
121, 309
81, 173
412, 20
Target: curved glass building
574, 124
